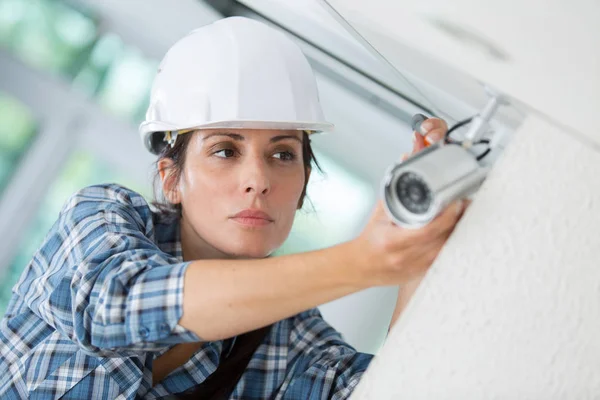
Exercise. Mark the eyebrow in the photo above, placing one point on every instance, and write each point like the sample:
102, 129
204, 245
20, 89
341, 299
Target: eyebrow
238, 137
233, 136
283, 137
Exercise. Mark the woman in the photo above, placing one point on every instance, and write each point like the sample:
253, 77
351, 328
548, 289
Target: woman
122, 301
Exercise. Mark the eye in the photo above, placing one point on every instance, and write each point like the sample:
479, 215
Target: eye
225, 153
285, 156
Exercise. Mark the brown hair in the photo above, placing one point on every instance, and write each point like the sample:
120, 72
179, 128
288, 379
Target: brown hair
177, 154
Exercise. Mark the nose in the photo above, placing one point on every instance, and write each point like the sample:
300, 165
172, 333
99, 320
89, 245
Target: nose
256, 176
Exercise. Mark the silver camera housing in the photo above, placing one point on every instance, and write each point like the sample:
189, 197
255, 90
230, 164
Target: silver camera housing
417, 190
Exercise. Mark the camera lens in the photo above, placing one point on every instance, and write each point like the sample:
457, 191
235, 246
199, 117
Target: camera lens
413, 193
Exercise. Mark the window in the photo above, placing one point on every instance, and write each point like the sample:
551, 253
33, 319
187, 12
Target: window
56, 37
338, 204
82, 169
17, 130
46, 34
119, 76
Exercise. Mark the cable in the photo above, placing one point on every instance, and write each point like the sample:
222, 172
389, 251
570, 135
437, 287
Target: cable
460, 124
455, 127
486, 152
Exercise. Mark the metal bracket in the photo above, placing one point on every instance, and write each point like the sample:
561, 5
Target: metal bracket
480, 122
171, 137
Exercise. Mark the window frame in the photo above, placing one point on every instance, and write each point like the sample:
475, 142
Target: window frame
68, 122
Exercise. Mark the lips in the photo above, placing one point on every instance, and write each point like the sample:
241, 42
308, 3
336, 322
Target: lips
253, 214
252, 217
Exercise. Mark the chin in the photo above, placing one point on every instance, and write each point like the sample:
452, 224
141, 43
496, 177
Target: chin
251, 253
250, 244
245, 249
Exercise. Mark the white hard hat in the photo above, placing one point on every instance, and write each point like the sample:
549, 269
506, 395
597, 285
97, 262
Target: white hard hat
233, 73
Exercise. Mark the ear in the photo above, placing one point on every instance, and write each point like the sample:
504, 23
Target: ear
168, 179
307, 172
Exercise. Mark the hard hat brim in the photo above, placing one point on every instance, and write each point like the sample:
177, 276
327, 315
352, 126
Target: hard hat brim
149, 127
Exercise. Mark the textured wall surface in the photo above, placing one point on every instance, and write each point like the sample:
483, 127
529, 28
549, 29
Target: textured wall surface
511, 308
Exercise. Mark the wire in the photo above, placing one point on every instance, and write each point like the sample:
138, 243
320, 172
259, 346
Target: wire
460, 124
486, 152
482, 141
455, 127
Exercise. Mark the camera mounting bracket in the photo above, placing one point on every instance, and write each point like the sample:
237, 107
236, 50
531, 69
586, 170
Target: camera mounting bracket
480, 122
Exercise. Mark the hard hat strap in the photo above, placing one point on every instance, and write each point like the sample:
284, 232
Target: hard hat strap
171, 136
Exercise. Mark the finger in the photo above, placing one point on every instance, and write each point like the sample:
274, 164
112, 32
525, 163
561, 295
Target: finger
418, 142
434, 130
434, 136
450, 215
432, 124
440, 227
448, 225
443, 222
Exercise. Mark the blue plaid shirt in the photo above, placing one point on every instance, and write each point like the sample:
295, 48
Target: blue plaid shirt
102, 297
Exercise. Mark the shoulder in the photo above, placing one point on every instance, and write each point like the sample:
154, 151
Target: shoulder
105, 195
112, 201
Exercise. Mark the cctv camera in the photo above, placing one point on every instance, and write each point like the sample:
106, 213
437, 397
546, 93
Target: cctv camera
417, 190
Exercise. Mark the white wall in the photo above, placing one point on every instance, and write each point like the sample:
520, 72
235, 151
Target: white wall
511, 308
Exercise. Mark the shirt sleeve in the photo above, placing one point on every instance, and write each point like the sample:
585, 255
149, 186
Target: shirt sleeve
101, 281
322, 364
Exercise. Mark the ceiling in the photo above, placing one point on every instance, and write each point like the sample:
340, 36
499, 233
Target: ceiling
152, 29
546, 56
441, 89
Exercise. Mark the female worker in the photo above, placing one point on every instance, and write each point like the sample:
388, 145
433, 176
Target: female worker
123, 301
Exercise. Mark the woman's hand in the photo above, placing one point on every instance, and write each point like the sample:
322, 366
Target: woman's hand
395, 255
392, 255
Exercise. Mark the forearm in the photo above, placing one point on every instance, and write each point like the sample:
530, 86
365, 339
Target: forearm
405, 293
224, 298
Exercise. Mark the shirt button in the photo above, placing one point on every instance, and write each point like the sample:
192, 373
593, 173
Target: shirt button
165, 329
144, 332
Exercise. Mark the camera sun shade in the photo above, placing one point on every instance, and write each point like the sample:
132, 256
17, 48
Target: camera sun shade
418, 189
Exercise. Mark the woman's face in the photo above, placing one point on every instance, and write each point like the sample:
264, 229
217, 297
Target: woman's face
239, 190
